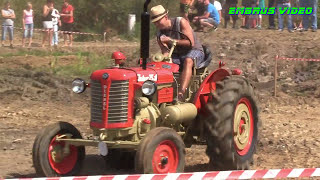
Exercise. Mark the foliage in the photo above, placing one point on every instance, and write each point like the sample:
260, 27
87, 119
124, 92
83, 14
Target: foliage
94, 15
87, 63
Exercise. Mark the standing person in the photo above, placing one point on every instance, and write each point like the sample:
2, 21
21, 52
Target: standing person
67, 21
272, 25
27, 24
261, 6
305, 18
210, 18
229, 4
187, 53
56, 23
296, 19
184, 8
47, 22
7, 23
283, 4
245, 18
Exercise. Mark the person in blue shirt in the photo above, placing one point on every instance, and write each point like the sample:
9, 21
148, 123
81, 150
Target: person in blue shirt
210, 18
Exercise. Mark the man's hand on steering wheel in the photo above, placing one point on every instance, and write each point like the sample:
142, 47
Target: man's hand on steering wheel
166, 40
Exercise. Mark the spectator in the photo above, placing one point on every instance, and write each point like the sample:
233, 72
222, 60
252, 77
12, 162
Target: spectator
56, 23
218, 6
47, 22
229, 4
7, 23
305, 18
210, 18
27, 24
200, 8
184, 7
253, 18
67, 21
272, 25
261, 6
284, 4
186, 54
245, 18
296, 19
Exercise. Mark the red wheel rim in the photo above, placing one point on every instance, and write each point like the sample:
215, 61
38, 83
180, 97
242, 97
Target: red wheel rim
243, 126
165, 158
67, 163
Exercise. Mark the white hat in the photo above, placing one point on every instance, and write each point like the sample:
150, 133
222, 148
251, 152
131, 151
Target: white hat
158, 12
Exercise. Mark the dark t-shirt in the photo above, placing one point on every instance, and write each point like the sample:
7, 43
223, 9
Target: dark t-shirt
231, 1
286, 1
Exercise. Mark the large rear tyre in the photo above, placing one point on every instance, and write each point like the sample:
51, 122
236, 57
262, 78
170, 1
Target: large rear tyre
232, 125
50, 156
161, 151
35, 152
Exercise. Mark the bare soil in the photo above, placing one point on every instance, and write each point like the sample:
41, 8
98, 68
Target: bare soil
289, 135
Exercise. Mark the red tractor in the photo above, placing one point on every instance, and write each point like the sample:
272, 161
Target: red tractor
136, 119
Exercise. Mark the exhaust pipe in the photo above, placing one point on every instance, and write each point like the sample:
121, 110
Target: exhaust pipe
145, 33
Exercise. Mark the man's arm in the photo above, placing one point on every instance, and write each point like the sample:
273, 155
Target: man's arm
205, 15
164, 49
13, 16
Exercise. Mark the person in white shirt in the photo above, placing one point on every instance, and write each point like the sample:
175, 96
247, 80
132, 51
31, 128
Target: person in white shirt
218, 6
56, 23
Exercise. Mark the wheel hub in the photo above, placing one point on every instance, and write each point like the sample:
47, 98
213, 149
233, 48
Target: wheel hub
164, 161
57, 154
241, 126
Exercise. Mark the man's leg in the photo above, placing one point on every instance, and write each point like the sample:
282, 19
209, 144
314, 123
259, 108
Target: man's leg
185, 77
280, 18
271, 17
3, 37
314, 15
10, 29
71, 39
305, 18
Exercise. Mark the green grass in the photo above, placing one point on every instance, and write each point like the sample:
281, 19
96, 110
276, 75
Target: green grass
40, 53
86, 64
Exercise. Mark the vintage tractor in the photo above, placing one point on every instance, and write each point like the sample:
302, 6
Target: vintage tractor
135, 118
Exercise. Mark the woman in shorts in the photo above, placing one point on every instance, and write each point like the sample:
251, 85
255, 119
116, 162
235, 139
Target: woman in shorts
47, 22
27, 24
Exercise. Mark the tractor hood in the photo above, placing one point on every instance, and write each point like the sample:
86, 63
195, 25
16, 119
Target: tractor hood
158, 72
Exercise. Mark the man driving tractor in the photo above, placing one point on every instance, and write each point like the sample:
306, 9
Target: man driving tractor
188, 52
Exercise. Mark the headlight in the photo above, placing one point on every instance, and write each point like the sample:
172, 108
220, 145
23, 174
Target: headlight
149, 88
78, 86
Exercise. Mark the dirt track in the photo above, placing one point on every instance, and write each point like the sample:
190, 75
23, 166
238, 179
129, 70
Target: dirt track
289, 136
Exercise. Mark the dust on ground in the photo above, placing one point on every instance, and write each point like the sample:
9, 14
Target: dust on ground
289, 135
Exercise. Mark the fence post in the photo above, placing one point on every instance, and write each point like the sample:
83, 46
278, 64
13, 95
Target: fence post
275, 75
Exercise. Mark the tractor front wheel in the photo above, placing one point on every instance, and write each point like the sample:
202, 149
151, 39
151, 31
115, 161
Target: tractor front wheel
232, 125
57, 158
161, 151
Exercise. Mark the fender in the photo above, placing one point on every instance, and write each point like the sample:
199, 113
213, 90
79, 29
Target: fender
208, 85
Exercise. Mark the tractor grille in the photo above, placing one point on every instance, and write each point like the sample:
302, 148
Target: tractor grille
96, 101
118, 102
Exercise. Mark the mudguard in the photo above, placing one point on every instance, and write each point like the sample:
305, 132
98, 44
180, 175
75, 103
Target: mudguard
207, 86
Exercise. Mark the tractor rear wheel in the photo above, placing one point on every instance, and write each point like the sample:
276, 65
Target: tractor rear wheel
161, 151
35, 152
232, 124
49, 155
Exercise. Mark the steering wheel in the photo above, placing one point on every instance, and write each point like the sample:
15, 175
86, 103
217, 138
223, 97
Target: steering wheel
182, 36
